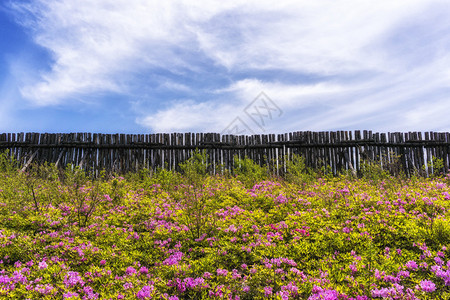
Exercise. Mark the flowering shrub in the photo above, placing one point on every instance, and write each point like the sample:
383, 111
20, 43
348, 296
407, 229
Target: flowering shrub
331, 238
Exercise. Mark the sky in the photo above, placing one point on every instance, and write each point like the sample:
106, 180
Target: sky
237, 66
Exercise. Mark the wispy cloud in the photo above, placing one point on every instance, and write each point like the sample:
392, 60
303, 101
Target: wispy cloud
189, 115
328, 64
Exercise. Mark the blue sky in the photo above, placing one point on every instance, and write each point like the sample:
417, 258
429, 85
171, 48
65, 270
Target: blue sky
143, 66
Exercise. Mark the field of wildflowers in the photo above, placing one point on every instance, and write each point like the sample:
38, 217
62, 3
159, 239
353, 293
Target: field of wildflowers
169, 236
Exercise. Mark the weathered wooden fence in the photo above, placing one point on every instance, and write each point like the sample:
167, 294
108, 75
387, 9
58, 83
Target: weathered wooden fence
340, 150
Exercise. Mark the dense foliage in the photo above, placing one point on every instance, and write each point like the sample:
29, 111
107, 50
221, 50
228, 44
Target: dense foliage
166, 235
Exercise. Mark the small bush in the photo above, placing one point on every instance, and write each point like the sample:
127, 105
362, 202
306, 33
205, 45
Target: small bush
8, 163
296, 170
248, 172
435, 167
198, 214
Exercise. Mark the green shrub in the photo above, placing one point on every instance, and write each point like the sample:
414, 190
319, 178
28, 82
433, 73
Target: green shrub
8, 163
196, 167
249, 172
435, 167
198, 214
168, 179
296, 170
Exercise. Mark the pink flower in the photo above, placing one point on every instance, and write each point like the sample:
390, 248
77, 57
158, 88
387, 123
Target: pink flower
90, 292
72, 279
236, 274
232, 228
69, 295
127, 285
411, 265
130, 271
145, 292
173, 259
378, 274
320, 293
427, 286
404, 274
43, 265
284, 295
281, 199
267, 291
439, 260
222, 272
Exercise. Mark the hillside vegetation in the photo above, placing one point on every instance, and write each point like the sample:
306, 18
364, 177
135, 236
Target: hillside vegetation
192, 235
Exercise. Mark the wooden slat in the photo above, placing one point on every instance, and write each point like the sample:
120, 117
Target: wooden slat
446, 139
125, 154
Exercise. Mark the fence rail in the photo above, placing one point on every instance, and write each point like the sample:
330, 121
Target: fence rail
338, 150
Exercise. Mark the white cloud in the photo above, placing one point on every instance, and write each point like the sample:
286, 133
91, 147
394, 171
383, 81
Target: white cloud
169, 84
215, 115
188, 115
287, 95
312, 36
364, 57
385, 103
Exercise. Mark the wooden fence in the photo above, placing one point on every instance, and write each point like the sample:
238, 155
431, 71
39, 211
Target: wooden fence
339, 150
